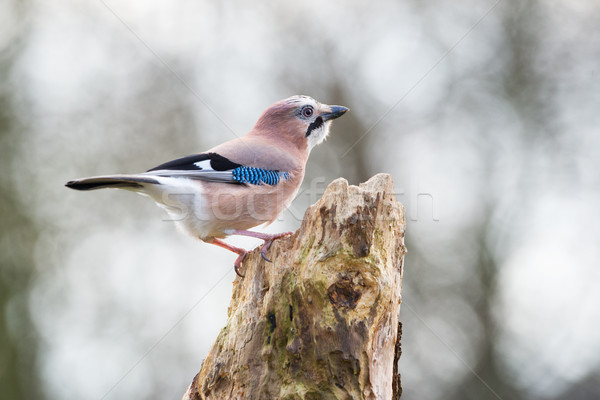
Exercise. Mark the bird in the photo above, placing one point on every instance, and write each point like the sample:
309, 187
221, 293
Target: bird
239, 184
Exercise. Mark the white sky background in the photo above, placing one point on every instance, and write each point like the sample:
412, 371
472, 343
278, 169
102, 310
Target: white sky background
116, 282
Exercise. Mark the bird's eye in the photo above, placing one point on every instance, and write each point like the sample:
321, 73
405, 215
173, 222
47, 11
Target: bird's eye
307, 111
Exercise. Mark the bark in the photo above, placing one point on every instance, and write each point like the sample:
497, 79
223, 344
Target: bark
321, 320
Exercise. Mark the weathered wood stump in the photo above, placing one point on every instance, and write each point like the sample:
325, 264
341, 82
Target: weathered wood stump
321, 320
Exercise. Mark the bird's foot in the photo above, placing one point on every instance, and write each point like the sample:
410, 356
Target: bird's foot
268, 241
239, 251
238, 263
267, 237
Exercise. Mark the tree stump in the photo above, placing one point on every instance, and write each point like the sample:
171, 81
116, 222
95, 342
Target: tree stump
321, 320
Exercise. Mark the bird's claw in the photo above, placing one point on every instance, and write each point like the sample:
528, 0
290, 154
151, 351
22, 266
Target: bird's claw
265, 247
238, 263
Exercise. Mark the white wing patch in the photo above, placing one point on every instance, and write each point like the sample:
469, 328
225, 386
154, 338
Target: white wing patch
204, 164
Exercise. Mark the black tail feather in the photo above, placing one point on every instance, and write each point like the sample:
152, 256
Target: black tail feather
121, 182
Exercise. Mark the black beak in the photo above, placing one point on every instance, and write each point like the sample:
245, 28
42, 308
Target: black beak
336, 112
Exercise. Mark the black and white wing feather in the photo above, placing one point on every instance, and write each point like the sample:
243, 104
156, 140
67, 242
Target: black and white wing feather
216, 168
210, 167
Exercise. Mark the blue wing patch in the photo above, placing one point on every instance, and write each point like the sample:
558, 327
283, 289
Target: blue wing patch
258, 176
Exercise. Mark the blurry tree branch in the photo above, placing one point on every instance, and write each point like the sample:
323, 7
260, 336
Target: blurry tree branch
19, 378
321, 321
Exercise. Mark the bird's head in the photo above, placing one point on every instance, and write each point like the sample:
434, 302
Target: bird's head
301, 120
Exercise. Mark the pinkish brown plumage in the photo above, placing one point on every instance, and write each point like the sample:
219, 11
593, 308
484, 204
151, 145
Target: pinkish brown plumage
238, 184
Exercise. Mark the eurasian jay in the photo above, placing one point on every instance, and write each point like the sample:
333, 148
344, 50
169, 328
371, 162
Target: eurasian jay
239, 184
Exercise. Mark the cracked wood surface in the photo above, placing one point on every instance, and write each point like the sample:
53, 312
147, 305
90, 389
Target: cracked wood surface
321, 320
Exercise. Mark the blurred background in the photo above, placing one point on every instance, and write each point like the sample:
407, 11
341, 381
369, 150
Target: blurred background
487, 114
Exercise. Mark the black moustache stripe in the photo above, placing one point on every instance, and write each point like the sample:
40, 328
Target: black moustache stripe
314, 125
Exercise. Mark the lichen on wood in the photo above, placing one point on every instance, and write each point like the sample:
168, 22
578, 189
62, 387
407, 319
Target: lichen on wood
321, 320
